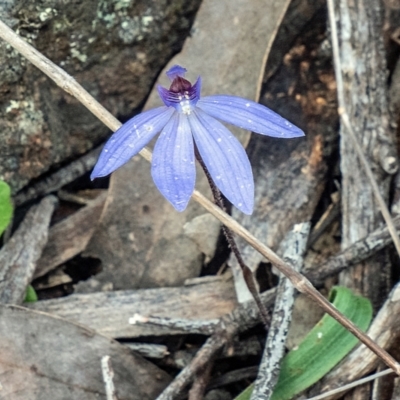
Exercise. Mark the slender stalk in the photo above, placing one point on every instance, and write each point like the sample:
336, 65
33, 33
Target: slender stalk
302, 284
247, 272
200, 384
352, 385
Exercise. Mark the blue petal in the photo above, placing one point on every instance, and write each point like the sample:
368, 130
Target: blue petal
175, 71
173, 168
248, 115
225, 159
130, 139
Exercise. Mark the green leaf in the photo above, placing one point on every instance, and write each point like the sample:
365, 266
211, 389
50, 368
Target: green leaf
6, 208
322, 349
30, 296
246, 394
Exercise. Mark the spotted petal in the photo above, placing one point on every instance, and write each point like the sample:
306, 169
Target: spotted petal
173, 168
130, 139
225, 159
248, 115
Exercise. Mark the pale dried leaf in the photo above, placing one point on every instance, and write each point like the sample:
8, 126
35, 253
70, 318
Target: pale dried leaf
45, 357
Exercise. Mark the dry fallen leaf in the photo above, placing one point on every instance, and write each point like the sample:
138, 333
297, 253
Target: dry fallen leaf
108, 313
45, 357
70, 236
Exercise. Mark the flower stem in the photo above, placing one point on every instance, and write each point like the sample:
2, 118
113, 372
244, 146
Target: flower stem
247, 272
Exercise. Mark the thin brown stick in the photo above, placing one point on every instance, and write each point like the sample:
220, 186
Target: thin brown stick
60, 178
241, 319
302, 284
201, 382
209, 350
346, 122
357, 252
248, 275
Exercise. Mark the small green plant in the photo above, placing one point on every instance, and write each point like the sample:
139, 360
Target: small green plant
30, 296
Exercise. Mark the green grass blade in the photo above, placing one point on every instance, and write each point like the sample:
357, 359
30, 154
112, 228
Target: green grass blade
6, 208
246, 394
323, 347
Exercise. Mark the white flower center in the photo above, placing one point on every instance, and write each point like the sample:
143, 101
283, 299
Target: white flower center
185, 103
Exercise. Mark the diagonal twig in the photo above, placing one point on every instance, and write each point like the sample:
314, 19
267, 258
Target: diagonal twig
352, 385
302, 284
199, 385
355, 253
60, 178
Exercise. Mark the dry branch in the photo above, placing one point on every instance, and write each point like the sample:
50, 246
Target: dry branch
201, 327
20, 254
199, 385
149, 350
355, 253
244, 317
109, 312
366, 138
295, 244
60, 178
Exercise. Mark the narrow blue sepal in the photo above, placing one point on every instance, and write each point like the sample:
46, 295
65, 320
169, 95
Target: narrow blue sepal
225, 159
249, 115
129, 139
173, 164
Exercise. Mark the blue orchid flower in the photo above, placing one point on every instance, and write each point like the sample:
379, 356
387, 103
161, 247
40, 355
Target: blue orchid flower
187, 121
